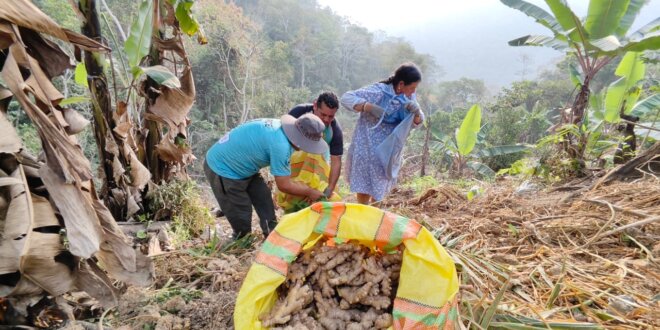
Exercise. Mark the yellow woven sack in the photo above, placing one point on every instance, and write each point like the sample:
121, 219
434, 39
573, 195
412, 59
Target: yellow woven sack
311, 170
428, 285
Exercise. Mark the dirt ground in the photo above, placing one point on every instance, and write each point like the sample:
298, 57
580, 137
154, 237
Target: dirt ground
554, 254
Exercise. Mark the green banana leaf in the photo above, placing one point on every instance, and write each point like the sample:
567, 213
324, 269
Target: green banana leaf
597, 104
566, 18
74, 100
187, 22
603, 17
466, 136
652, 42
646, 38
629, 17
576, 76
540, 41
646, 105
645, 30
607, 44
603, 31
541, 16
481, 168
160, 74
80, 75
139, 41
631, 70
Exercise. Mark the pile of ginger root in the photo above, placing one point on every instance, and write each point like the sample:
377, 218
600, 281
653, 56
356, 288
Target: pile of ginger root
346, 286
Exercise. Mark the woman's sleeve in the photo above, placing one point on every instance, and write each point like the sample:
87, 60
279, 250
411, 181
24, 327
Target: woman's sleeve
371, 94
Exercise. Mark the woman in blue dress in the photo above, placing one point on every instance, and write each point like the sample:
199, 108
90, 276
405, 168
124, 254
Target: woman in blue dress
382, 106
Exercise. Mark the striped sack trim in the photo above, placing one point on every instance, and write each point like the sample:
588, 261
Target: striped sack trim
409, 314
278, 252
330, 214
393, 229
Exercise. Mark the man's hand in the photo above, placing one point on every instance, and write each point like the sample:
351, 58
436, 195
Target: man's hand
313, 195
327, 192
374, 110
288, 186
413, 107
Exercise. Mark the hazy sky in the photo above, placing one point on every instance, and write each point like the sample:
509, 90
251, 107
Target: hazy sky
468, 38
387, 15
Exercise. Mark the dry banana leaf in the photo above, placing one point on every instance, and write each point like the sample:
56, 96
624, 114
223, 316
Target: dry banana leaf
10, 142
63, 155
16, 223
173, 105
13, 235
45, 260
33, 257
83, 228
25, 14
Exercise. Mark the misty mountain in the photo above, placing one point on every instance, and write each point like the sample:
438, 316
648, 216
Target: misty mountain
474, 45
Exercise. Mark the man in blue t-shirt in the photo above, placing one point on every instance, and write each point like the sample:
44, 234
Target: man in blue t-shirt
232, 167
325, 107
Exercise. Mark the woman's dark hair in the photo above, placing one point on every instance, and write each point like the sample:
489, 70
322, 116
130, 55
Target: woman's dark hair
407, 72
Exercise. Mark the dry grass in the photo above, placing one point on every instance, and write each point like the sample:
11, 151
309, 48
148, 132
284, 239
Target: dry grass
558, 252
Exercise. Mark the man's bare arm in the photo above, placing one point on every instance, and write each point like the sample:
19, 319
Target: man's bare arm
335, 172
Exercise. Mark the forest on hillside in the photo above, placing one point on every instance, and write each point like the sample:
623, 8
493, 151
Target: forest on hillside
544, 192
264, 57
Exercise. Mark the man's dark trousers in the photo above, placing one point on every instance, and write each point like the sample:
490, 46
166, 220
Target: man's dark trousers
236, 199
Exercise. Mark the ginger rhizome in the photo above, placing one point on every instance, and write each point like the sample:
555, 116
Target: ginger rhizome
346, 286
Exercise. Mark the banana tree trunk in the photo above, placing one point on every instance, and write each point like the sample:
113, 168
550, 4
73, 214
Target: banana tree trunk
102, 112
581, 101
154, 135
575, 146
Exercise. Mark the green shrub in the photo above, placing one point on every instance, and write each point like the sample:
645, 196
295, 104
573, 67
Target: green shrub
181, 200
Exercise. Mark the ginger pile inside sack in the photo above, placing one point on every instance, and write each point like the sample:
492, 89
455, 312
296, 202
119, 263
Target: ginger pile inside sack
346, 286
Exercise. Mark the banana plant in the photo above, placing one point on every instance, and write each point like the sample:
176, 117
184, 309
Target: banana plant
624, 92
599, 141
133, 162
621, 102
643, 107
138, 45
459, 151
624, 101
594, 41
